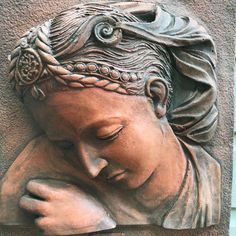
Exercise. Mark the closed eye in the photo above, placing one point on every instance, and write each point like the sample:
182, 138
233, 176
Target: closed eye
64, 145
109, 133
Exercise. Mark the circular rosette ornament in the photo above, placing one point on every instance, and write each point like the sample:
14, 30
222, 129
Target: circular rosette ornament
29, 67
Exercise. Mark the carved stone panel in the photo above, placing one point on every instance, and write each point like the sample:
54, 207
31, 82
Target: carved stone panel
124, 97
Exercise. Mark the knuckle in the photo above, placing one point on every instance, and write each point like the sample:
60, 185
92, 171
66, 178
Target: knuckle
43, 223
58, 194
42, 209
46, 225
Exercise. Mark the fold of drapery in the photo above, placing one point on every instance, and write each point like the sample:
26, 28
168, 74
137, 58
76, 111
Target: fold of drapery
192, 113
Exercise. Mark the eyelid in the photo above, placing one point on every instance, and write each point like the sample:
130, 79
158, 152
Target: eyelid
64, 144
109, 133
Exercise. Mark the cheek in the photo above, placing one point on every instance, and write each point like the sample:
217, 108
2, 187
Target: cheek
136, 148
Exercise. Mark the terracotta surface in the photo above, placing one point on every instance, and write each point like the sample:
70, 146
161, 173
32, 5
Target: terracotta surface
94, 168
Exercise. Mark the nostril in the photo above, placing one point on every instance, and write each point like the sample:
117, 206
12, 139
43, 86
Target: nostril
96, 167
92, 162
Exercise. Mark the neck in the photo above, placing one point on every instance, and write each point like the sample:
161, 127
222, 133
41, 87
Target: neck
165, 183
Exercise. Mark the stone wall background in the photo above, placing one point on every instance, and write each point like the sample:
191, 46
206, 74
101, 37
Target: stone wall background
17, 128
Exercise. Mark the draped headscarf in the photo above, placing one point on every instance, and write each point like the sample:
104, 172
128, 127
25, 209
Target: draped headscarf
193, 113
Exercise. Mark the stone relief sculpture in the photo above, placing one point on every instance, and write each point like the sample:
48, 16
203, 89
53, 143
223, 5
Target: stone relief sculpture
125, 96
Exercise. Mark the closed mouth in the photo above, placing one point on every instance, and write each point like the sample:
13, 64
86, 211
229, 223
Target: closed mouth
116, 176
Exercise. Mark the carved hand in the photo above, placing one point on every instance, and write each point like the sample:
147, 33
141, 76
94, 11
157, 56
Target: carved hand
63, 208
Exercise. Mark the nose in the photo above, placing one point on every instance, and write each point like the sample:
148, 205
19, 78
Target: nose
90, 160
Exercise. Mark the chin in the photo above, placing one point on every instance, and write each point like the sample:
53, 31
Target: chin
137, 183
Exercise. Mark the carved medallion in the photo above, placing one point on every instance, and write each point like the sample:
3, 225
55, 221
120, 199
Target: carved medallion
29, 66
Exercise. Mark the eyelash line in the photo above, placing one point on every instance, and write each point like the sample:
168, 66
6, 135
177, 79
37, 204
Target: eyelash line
113, 135
109, 137
64, 145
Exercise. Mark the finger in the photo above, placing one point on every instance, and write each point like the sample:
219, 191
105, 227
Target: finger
45, 225
40, 188
33, 205
53, 183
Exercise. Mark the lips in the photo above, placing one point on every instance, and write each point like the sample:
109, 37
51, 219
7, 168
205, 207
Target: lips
116, 176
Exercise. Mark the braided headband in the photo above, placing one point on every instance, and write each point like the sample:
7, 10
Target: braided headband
33, 63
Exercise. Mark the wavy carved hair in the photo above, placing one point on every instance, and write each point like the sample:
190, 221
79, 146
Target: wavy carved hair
128, 54
82, 36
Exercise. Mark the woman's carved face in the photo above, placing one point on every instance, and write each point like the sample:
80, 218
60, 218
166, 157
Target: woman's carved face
112, 136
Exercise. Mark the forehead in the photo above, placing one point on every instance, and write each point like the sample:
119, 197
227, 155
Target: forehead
93, 100
82, 107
